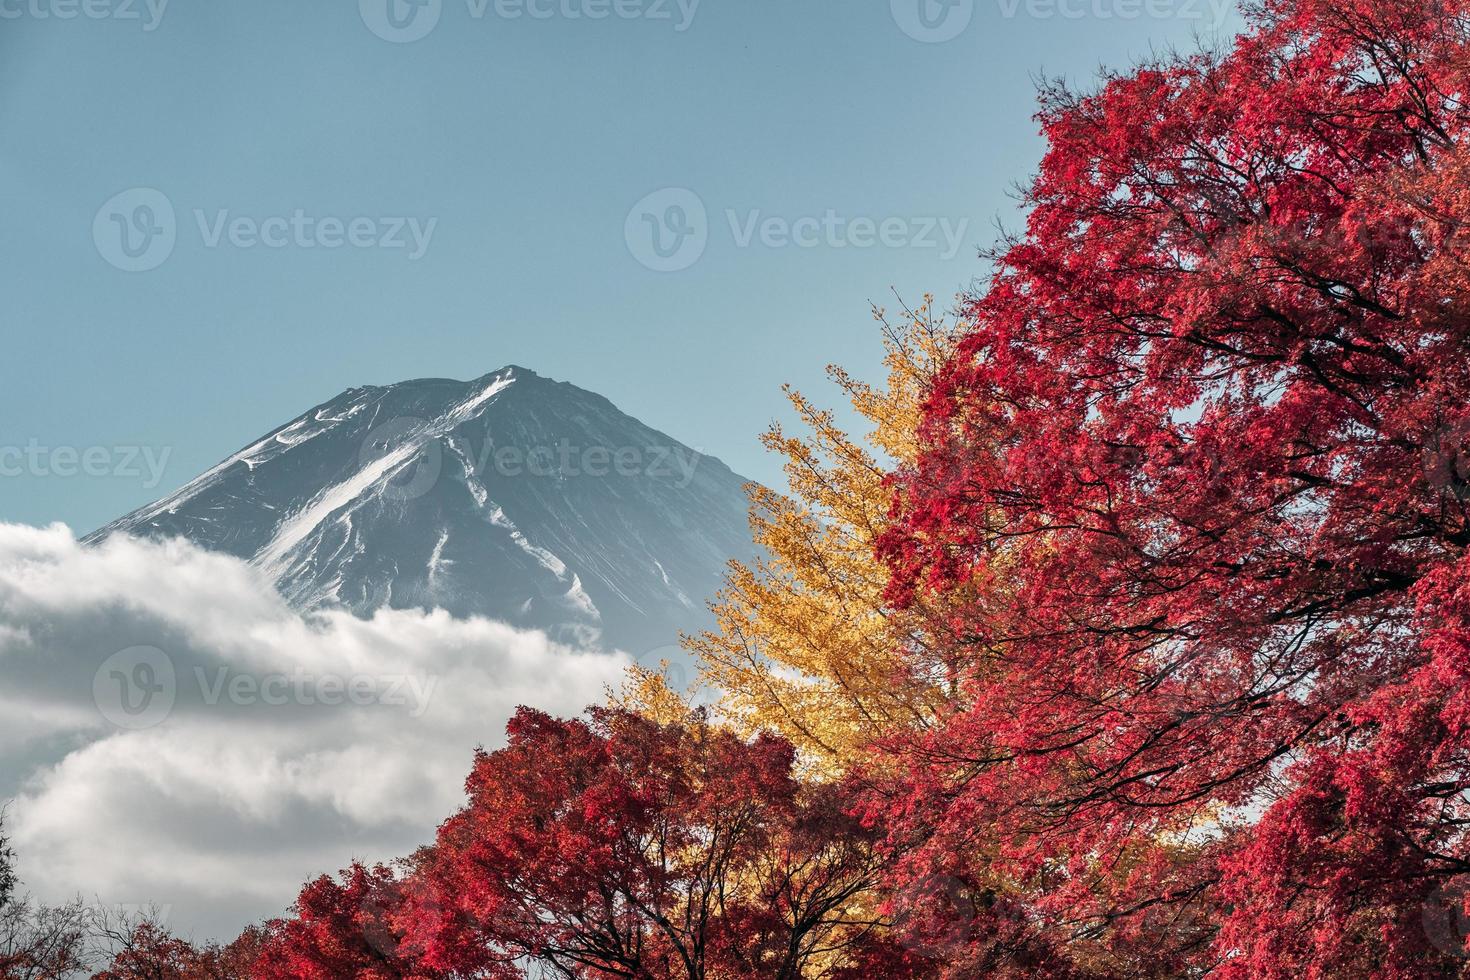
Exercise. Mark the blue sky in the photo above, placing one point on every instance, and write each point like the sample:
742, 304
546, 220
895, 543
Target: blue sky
352, 206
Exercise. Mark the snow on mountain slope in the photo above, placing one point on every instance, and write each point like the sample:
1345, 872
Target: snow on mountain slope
512, 496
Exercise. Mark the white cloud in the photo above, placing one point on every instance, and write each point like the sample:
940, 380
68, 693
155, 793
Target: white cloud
172, 733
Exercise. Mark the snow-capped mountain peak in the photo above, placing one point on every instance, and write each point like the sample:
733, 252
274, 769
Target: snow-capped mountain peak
511, 496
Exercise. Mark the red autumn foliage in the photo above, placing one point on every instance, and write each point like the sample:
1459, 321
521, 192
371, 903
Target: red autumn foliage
147, 951
607, 847
1193, 506
346, 929
1195, 490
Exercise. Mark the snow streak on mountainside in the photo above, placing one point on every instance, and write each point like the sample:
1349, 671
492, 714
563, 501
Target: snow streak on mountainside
512, 496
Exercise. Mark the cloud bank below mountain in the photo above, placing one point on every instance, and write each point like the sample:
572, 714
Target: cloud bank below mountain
172, 733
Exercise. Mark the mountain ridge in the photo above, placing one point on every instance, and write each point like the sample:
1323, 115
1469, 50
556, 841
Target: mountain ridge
513, 495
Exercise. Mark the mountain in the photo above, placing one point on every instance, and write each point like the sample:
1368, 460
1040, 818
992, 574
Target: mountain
513, 496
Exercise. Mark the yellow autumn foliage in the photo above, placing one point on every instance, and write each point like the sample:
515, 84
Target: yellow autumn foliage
805, 645
647, 692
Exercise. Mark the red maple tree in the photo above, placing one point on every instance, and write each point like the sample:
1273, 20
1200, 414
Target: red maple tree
1198, 475
145, 950
351, 928
1192, 508
611, 846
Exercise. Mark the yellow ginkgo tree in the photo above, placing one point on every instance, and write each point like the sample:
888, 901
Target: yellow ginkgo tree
805, 645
